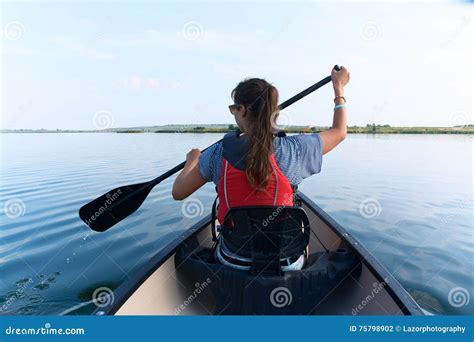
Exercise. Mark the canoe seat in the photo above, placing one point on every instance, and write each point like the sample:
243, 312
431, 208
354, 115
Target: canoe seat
266, 235
231, 291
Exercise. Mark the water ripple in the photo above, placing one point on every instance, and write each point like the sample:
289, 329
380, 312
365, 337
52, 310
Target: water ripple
422, 234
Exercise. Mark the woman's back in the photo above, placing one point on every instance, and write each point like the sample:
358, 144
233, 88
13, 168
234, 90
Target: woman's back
297, 156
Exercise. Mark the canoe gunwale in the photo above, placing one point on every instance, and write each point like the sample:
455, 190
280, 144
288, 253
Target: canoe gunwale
407, 304
121, 294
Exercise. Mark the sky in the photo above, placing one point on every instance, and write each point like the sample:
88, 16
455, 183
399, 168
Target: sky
89, 65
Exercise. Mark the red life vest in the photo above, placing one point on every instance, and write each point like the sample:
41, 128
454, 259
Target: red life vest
233, 188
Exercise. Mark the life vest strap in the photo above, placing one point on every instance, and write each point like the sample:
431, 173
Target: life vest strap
213, 219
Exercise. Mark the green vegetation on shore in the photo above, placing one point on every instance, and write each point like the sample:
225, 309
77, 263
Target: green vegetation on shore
369, 129
223, 128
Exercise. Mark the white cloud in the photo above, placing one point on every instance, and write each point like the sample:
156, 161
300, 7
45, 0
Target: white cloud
16, 50
131, 83
236, 71
153, 83
137, 83
214, 41
84, 50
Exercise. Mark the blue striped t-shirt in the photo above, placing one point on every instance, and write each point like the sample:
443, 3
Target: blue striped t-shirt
297, 156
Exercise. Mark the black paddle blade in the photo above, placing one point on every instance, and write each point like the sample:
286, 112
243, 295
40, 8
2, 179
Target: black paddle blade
112, 207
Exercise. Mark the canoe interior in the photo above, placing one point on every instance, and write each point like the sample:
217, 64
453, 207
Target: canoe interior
162, 290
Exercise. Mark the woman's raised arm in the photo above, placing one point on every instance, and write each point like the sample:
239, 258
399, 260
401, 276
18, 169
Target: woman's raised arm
337, 133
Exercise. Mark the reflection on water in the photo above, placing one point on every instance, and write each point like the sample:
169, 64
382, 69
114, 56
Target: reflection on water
407, 198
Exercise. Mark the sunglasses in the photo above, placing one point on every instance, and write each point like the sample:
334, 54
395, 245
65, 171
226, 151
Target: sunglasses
234, 107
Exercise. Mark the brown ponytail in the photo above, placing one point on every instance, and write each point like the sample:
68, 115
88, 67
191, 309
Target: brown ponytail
260, 100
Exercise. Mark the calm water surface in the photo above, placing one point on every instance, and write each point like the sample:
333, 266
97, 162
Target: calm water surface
407, 198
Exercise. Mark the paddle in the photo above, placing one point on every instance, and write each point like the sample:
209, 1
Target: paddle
115, 205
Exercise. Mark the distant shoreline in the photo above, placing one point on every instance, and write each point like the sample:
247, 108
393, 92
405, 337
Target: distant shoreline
218, 128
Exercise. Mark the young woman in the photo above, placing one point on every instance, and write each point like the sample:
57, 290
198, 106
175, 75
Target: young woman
255, 167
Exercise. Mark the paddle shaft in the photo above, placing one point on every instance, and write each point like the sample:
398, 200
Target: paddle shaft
307, 91
284, 105
180, 166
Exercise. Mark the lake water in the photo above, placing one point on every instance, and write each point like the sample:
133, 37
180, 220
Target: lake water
407, 198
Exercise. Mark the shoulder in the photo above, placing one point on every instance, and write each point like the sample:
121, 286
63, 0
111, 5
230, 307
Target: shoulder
298, 143
209, 162
299, 156
214, 151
